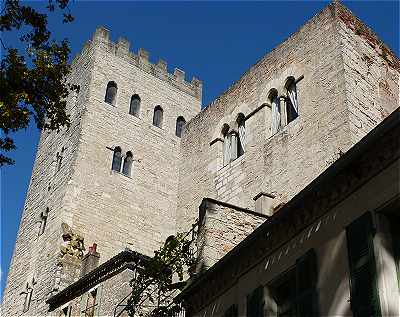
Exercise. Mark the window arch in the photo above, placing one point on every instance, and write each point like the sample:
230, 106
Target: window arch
111, 93
117, 159
134, 107
127, 167
158, 116
292, 104
242, 134
180, 122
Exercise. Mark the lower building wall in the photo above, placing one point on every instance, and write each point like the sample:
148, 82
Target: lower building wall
328, 238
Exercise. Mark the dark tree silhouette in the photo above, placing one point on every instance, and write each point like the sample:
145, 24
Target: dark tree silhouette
32, 79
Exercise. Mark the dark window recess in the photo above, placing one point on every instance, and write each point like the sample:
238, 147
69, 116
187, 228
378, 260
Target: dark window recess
111, 93
255, 303
364, 297
158, 116
126, 169
43, 221
232, 311
117, 159
134, 107
295, 293
180, 122
290, 111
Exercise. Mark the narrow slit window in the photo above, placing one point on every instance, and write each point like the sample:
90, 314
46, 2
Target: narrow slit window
43, 221
134, 108
158, 116
28, 296
180, 122
111, 93
117, 159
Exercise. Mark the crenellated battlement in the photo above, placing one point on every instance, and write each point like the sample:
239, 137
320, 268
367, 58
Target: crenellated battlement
101, 38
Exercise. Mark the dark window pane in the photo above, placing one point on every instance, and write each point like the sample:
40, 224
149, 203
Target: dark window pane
158, 117
135, 105
111, 93
180, 122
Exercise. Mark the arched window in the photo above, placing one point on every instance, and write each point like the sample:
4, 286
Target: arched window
276, 111
158, 116
227, 144
233, 135
117, 159
242, 134
180, 122
292, 104
135, 105
126, 169
111, 93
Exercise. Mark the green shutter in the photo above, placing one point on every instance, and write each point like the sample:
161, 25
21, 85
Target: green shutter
306, 282
363, 289
255, 303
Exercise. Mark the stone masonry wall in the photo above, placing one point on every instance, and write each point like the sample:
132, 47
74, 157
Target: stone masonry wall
36, 257
371, 74
287, 161
221, 229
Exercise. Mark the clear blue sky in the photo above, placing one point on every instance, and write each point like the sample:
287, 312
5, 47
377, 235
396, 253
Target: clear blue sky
216, 42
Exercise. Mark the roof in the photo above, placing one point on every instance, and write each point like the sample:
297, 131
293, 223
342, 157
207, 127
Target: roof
118, 263
367, 158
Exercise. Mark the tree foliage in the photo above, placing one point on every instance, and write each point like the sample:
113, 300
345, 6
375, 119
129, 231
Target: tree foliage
32, 79
155, 285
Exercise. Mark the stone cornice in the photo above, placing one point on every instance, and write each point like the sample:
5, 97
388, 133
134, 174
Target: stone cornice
120, 262
366, 159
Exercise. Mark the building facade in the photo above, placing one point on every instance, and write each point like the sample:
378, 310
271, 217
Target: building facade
140, 158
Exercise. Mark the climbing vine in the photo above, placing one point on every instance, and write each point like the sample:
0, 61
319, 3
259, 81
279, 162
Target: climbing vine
159, 280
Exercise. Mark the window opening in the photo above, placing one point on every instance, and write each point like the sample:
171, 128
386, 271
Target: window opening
242, 134
111, 93
126, 169
295, 292
292, 104
275, 111
180, 122
117, 159
364, 294
134, 108
158, 117
43, 221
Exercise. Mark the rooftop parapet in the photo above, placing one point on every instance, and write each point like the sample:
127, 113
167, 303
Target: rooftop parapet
101, 38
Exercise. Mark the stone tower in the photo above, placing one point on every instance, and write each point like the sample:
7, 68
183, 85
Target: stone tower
77, 196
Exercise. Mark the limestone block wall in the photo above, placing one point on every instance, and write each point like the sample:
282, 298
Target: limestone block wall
107, 207
35, 257
285, 162
371, 75
221, 228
